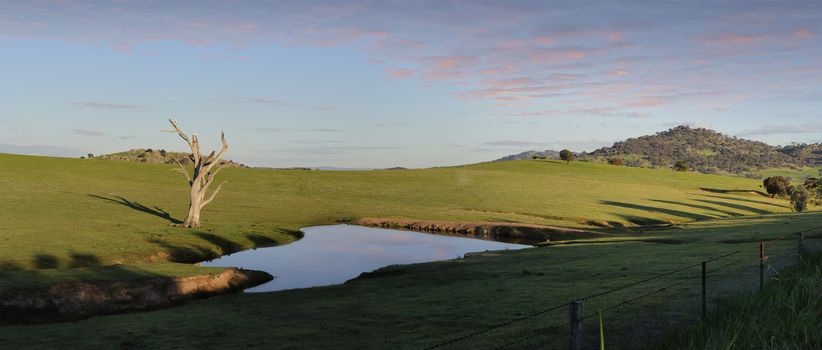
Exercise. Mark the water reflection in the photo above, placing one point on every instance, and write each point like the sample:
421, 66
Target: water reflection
334, 254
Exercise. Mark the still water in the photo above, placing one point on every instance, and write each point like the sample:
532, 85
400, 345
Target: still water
334, 254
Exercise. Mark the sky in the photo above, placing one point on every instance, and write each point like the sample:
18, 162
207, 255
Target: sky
402, 83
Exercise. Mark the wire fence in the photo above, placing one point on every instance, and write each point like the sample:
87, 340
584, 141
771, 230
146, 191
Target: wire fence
542, 336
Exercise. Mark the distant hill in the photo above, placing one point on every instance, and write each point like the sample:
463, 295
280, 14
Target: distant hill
158, 156
705, 150
547, 154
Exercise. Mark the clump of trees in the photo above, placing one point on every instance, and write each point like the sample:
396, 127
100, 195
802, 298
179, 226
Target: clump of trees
777, 186
616, 161
799, 198
566, 155
706, 151
681, 165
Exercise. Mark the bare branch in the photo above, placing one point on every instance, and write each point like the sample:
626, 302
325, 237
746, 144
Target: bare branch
209, 159
211, 176
214, 194
219, 155
179, 132
182, 170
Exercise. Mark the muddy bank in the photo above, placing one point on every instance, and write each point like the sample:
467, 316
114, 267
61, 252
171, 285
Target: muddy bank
497, 231
77, 300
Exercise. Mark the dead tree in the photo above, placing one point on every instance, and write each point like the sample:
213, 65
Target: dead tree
205, 168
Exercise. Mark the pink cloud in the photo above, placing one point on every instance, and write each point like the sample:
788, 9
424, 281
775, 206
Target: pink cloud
400, 72
451, 62
804, 34
736, 39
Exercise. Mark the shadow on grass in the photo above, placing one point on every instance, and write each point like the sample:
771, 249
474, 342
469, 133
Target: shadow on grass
700, 207
735, 206
214, 246
642, 221
226, 246
672, 212
744, 200
156, 211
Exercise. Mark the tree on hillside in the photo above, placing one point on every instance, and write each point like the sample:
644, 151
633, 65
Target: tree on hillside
777, 185
566, 155
681, 165
205, 168
799, 198
814, 187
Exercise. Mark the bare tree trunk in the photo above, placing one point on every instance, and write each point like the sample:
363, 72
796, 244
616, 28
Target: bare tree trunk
204, 172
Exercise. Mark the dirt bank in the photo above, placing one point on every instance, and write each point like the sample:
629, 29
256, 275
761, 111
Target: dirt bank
498, 231
77, 300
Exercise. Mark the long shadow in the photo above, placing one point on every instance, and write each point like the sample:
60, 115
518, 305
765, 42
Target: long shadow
183, 254
45, 261
641, 221
679, 213
697, 206
744, 200
735, 206
225, 245
156, 211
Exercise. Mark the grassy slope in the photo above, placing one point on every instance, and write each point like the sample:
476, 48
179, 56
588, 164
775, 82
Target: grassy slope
785, 316
798, 176
51, 218
424, 304
71, 212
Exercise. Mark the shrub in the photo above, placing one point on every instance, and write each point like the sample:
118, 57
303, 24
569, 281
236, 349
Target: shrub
566, 155
681, 165
799, 198
617, 161
777, 185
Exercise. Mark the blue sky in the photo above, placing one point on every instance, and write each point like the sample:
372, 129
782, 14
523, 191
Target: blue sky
414, 83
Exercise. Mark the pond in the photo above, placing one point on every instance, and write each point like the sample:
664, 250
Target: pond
334, 254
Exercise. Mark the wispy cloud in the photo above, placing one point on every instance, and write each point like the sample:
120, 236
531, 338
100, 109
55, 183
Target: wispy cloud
284, 130
783, 130
516, 143
102, 105
400, 72
84, 132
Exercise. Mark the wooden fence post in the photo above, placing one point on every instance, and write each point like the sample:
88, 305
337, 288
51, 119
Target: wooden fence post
800, 241
704, 291
575, 317
761, 265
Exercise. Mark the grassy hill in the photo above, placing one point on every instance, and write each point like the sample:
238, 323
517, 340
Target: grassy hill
705, 150
71, 213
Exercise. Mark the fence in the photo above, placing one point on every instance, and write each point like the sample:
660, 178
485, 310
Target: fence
549, 335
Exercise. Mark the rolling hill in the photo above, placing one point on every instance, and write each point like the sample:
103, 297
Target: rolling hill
705, 150
107, 216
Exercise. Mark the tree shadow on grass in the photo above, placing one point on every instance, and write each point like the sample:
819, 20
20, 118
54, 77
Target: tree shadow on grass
744, 200
735, 206
642, 221
227, 246
156, 211
49, 261
700, 207
185, 254
679, 213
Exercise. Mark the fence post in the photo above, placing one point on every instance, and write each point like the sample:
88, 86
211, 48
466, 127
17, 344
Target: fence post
575, 316
704, 291
761, 265
799, 247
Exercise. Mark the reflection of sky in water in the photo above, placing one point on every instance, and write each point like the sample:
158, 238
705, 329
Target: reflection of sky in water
334, 254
